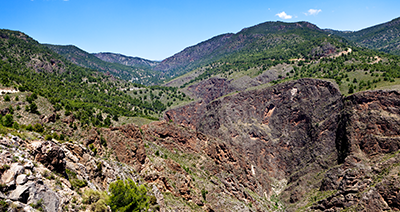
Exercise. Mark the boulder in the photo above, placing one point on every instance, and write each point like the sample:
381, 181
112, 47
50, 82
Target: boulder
51, 118
9, 176
51, 201
49, 154
4, 111
21, 193
21, 179
32, 192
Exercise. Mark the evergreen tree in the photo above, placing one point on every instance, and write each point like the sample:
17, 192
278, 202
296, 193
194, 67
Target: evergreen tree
8, 120
126, 196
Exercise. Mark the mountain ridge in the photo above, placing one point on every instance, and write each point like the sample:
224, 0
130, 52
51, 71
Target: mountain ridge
125, 60
382, 37
87, 60
225, 45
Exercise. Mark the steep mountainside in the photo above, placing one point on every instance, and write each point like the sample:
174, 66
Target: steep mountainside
383, 37
270, 40
125, 60
27, 65
78, 56
330, 153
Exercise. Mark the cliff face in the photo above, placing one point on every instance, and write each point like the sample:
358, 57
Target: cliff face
331, 152
368, 138
290, 117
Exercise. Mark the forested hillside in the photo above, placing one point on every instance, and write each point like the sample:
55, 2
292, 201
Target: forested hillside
125, 60
29, 66
269, 40
384, 37
137, 74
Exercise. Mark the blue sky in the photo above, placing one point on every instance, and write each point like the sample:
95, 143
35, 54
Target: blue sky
155, 29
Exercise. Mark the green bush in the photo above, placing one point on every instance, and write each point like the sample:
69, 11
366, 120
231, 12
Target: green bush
91, 196
77, 183
8, 120
204, 193
73, 179
38, 128
96, 199
33, 108
16, 126
29, 127
99, 206
48, 137
103, 141
7, 98
127, 196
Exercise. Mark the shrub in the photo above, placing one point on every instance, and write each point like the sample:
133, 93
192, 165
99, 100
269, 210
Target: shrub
38, 128
93, 148
7, 98
55, 136
99, 206
204, 193
103, 141
3, 205
96, 199
16, 126
33, 108
77, 183
29, 127
127, 196
11, 109
38, 205
8, 120
91, 196
48, 137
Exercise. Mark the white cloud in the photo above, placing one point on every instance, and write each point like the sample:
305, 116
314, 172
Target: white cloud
284, 15
313, 12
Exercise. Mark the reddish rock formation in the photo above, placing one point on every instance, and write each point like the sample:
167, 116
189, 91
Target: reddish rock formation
280, 128
367, 180
297, 130
127, 143
229, 166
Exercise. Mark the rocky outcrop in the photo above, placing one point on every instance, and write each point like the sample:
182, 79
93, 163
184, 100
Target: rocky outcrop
5, 111
127, 144
373, 126
333, 152
368, 137
232, 173
50, 118
33, 174
49, 154
280, 128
